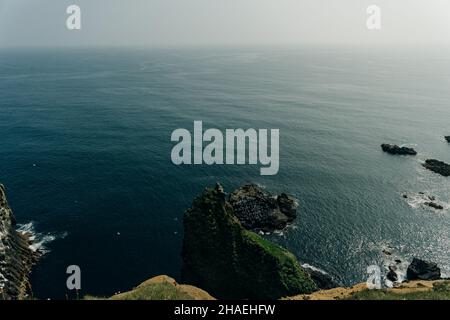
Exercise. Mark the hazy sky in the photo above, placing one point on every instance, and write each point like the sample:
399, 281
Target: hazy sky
222, 22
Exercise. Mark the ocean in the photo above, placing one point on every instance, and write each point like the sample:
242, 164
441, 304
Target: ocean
85, 153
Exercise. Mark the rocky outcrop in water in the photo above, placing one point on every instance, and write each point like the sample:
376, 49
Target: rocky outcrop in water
447, 138
257, 209
423, 270
396, 150
16, 257
434, 205
427, 200
437, 166
392, 274
230, 262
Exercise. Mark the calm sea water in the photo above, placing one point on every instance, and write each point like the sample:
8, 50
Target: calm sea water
85, 153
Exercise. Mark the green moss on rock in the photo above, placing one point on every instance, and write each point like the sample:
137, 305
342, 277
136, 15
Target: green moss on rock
229, 262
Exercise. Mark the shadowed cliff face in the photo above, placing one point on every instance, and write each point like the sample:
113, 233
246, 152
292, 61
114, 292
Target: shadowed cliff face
16, 258
229, 262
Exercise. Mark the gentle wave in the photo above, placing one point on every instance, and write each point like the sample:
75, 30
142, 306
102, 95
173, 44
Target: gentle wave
40, 241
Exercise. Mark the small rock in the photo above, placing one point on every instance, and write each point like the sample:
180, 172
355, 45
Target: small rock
447, 138
392, 268
392, 276
396, 150
434, 205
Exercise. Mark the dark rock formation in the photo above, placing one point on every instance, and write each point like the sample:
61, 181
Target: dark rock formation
447, 138
323, 280
257, 209
438, 166
16, 258
392, 274
395, 149
423, 270
230, 262
434, 205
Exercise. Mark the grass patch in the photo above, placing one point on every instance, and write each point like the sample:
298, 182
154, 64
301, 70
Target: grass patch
440, 291
157, 291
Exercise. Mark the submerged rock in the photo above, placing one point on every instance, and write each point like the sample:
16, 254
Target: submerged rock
16, 257
230, 262
425, 200
434, 205
395, 149
257, 209
423, 270
437, 166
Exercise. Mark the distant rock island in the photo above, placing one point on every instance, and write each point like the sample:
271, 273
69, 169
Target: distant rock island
437, 166
16, 257
396, 150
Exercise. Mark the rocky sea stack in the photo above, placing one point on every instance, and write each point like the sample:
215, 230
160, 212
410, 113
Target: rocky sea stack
257, 209
396, 150
222, 257
437, 166
16, 257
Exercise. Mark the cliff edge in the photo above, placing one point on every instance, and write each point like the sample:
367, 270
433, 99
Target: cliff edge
409, 290
163, 288
16, 257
